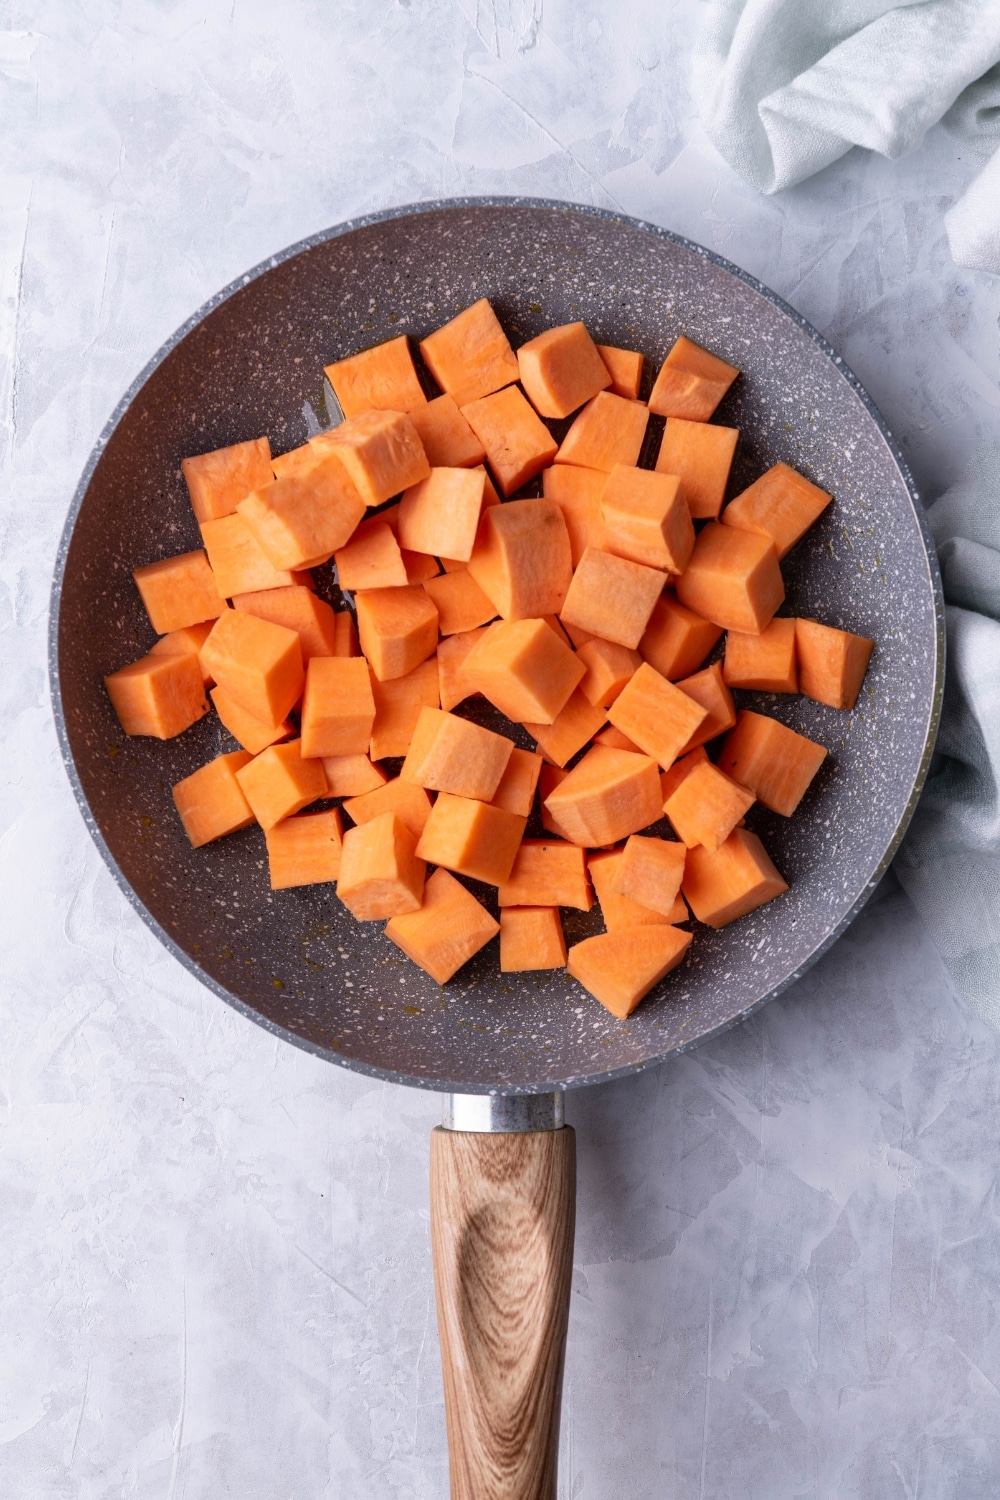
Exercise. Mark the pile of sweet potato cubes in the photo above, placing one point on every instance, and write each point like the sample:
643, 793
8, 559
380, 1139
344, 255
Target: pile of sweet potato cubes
585, 615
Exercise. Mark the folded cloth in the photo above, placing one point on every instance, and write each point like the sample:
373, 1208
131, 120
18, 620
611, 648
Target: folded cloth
949, 863
785, 87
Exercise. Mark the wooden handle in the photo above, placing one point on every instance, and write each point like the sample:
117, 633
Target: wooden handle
503, 1208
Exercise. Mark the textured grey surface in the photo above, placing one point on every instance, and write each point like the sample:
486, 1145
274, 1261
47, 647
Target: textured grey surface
214, 1266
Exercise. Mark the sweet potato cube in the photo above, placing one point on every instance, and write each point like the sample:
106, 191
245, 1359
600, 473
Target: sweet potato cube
650, 872
218, 481
516, 791
470, 357
765, 662
575, 723
306, 517
733, 881
371, 559
397, 708
518, 445
448, 440
531, 937
549, 778
707, 806
646, 519
256, 663
522, 559
691, 382
773, 761
459, 601
561, 369
211, 802
671, 779
615, 740
734, 583
471, 838
577, 492
380, 451
305, 850
449, 929
296, 461
298, 609
186, 642
398, 629
607, 796
625, 368
701, 455
781, 505
338, 709
621, 912
379, 379
419, 565
278, 782
440, 515
612, 597
179, 591
607, 432
656, 715
609, 668
453, 685
253, 734
345, 634
708, 688
158, 695
239, 562
620, 968
381, 875
676, 640
547, 873
352, 775
525, 670
410, 804
448, 754
832, 663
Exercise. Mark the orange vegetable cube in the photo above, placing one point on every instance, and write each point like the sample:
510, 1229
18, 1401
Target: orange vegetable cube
298, 609
561, 369
621, 912
701, 455
381, 875
650, 872
303, 519
671, 779
453, 685
646, 519
691, 382
397, 708
518, 445
256, 663
239, 562
218, 481
625, 368
607, 796
524, 669
470, 357
345, 634
576, 635
186, 642
449, 929
398, 629
179, 591
612, 597
379, 379
707, 806
522, 558
352, 775
448, 440
781, 505
296, 461
549, 777
676, 640
440, 515
516, 791
773, 761
620, 968
471, 838
545, 873
657, 715
371, 559
278, 782
210, 801
380, 451
734, 583
338, 709
832, 663
419, 565
448, 754
459, 601
531, 937
305, 850
765, 662
158, 695
253, 734
607, 432
615, 740
609, 668
410, 803
577, 492
709, 689
735, 880
575, 723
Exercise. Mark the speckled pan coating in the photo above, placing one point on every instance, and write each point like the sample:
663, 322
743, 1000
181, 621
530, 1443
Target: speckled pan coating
249, 364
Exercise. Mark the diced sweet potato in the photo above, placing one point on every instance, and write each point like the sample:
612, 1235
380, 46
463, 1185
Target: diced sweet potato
371, 559
691, 382
764, 662
518, 445
516, 791
179, 591
561, 369
607, 432
239, 562
545, 873
381, 875
615, 740
338, 709
298, 609
621, 912
380, 451
449, 929
781, 505
575, 723
707, 806
448, 440
256, 663
524, 669
735, 583
656, 715
410, 804
440, 515
352, 775
448, 754
832, 663
471, 838
701, 455
773, 761
522, 559
158, 695
305, 518
186, 642
278, 782
305, 850
650, 872
577, 492
737, 879
218, 481
709, 689
419, 565
608, 669
549, 777
676, 640
379, 379
253, 734
346, 634
671, 779
531, 937
397, 708
620, 968
211, 802
295, 461
625, 368
398, 629
453, 685
612, 597
646, 519
470, 357
610, 794
459, 601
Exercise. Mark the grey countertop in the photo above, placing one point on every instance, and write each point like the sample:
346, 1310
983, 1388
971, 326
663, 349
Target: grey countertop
214, 1261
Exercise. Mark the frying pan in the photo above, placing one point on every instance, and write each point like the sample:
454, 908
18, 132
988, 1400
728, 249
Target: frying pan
503, 1048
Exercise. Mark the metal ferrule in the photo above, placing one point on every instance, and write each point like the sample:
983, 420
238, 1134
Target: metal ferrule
504, 1114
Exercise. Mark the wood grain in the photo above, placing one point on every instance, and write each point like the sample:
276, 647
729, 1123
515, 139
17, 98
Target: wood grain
502, 1220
